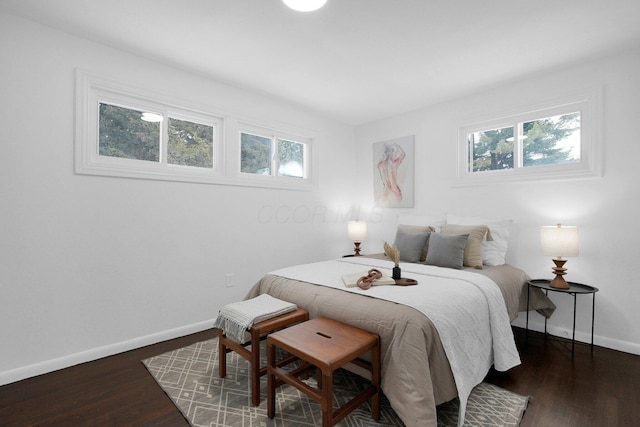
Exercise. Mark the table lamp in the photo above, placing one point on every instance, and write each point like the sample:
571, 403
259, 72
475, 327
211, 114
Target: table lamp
560, 241
357, 231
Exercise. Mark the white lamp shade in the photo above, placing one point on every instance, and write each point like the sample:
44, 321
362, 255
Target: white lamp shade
305, 5
357, 230
559, 240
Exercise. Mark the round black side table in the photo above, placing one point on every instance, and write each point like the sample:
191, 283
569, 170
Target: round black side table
575, 289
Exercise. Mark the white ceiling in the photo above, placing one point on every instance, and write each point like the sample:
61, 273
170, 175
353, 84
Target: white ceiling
352, 60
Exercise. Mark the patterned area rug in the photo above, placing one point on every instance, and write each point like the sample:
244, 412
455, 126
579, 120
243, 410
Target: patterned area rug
189, 376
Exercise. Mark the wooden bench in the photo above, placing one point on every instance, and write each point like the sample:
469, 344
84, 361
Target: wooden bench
257, 332
325, 345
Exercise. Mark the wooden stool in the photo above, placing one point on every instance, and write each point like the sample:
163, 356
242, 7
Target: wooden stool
257, 331
327, 345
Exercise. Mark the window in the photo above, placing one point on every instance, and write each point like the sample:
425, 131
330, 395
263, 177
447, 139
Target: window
123, 132
267, 153
546, 141
190, 144
555, 142
129, 135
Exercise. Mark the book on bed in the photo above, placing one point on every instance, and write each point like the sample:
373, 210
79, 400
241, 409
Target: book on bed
351, 280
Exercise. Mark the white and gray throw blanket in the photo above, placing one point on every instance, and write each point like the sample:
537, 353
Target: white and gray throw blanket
236, 318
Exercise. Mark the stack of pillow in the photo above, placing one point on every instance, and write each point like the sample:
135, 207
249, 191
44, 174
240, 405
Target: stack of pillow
452, 241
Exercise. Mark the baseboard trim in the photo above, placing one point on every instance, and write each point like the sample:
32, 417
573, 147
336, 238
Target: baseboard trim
14, 375
583, 337
47, 366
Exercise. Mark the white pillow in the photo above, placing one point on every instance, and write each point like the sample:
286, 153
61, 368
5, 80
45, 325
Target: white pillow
495, 251
435, 221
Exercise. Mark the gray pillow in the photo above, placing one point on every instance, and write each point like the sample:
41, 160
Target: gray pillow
411, 244
446, 250
418, 229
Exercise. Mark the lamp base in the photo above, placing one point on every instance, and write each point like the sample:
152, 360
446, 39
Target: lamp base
356, 248
558, 282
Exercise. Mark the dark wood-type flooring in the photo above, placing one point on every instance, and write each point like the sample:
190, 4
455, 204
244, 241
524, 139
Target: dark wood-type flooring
602, 389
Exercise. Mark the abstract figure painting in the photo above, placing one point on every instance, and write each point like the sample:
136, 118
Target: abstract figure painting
393, 173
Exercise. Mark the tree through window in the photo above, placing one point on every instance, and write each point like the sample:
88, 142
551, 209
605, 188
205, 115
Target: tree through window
130, 133
552, 140
560, 140
271, 155
547, 141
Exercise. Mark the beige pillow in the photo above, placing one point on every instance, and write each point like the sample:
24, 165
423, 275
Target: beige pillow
494, 251
472, 251
435, 221
418, 229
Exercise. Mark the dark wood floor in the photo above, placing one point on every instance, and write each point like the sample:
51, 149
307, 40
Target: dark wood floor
602, 389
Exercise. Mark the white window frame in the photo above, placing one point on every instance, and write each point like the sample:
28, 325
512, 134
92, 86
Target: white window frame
306, 182
92, 91
589, 104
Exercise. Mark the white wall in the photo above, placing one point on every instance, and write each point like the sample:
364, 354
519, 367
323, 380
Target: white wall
605, 209
90, 266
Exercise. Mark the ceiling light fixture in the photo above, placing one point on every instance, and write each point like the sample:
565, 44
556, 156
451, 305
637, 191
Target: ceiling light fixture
305, 5
152, 117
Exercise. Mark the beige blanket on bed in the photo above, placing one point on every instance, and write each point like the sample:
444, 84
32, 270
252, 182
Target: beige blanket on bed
416, 375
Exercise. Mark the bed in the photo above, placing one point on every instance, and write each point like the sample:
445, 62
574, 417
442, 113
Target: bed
438, 338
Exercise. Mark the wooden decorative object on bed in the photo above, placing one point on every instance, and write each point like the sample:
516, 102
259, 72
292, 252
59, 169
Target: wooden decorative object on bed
406, 282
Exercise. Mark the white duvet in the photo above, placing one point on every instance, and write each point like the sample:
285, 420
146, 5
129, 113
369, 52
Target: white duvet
466, 308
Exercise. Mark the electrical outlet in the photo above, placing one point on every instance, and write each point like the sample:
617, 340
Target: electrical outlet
229, 280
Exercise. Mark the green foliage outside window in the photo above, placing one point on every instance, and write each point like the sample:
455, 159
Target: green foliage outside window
543, 140
548, 141
190, 144
256, 153
492, 149
291, 158
255, 156
123, 134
